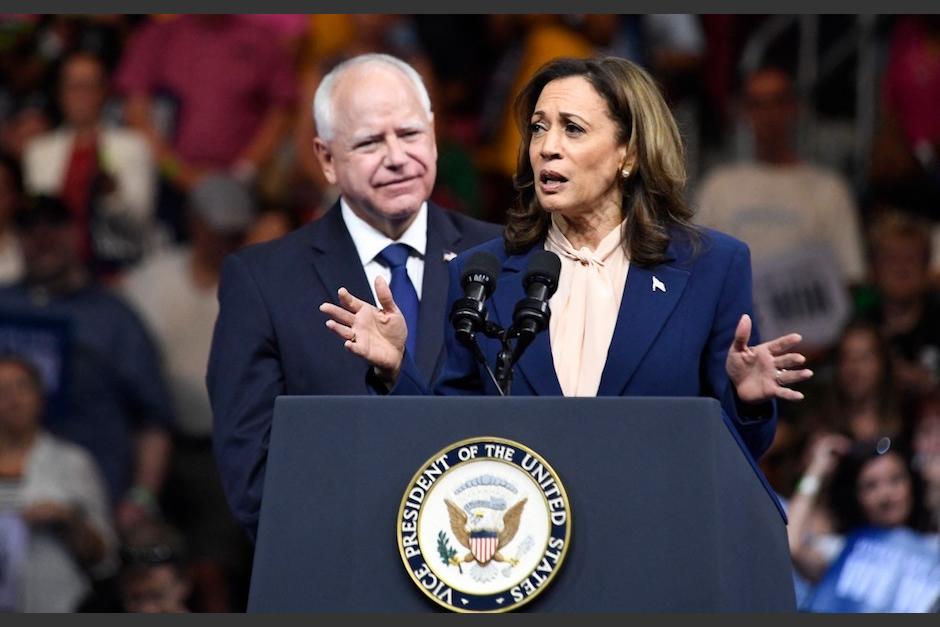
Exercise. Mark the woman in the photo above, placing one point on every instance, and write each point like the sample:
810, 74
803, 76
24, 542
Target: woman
104, 174
862, 404
52, 491
646, 305
876, 559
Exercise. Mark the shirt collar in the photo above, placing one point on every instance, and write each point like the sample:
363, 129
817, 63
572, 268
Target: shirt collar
370, 241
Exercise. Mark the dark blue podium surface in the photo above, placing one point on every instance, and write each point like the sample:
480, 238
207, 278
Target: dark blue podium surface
667, 512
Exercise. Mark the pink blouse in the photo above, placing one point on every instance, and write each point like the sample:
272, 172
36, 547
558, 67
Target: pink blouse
585, 308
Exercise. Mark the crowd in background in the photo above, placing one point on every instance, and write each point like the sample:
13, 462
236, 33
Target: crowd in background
136, 152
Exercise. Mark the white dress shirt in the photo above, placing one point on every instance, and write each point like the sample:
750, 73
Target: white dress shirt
369, 242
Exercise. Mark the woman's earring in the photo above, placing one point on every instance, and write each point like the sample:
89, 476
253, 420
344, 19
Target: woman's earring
625, 173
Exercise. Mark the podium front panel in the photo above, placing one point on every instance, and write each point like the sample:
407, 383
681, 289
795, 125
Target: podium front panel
667, 514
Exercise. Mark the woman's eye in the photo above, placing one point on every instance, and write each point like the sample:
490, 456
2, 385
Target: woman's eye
573, 128
536, 127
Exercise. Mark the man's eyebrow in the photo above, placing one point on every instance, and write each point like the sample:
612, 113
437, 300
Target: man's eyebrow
364, 137
414, 125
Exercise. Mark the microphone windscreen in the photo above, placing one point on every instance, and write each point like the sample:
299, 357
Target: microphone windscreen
545, 266
482, 267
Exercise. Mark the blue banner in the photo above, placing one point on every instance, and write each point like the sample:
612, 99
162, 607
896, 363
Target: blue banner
46, 341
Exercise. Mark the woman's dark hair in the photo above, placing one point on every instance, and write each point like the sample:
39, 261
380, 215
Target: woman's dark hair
843, 493
653, 199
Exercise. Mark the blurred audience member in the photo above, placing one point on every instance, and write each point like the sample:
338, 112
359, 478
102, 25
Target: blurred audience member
153, 578
880, 560
779, 203
905, 158
117, 405
270, 224
55, 490
105, 175
175, 293
905, 308
11, 198
862, 404
211, 93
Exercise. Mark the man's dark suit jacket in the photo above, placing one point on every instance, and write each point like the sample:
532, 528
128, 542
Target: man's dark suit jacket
270, 337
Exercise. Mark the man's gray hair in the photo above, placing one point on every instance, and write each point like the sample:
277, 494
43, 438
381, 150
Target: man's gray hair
323, 110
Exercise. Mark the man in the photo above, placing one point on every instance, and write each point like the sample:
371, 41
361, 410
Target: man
116, 404
800, 221
376, 144
779, 203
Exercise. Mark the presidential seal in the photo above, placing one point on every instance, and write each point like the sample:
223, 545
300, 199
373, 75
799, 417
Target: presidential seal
484, 525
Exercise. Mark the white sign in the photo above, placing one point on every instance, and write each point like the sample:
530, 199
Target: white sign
801, 292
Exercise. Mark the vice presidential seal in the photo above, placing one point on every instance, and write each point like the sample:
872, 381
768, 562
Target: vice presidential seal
484, 525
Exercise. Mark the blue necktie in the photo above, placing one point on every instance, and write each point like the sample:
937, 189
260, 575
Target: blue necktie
395, 257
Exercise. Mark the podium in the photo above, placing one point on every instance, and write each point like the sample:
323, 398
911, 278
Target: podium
667, 512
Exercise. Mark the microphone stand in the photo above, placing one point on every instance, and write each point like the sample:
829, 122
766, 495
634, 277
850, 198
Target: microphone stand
504, 368
508, 355
502, 378
492, 330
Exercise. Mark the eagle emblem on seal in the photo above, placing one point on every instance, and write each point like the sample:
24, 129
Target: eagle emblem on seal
484, 530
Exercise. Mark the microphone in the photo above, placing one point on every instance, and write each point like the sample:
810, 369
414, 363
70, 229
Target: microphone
532, 313
468, 314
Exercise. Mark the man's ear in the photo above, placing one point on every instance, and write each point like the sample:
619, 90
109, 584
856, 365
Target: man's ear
325, 157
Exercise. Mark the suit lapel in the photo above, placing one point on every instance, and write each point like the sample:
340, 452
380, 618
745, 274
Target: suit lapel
536, 363
442, 237
643, 312
336, 260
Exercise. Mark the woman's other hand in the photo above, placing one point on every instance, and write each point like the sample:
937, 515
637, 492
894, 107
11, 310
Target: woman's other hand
765, 371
